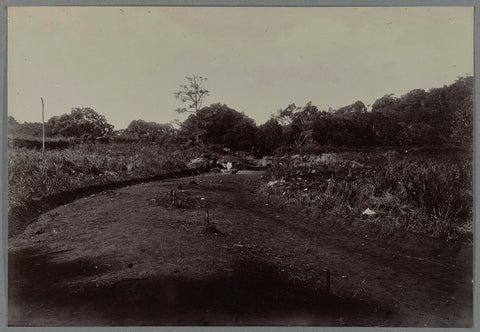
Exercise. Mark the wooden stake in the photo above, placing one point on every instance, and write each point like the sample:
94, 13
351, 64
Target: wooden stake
173, 197
207, 220
43, 126
328, 281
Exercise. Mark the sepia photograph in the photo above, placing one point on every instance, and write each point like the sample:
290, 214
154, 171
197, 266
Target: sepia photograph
240, 166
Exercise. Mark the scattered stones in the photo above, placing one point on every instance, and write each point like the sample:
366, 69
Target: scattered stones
368, 212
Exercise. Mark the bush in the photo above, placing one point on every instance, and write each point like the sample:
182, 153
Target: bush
426, 193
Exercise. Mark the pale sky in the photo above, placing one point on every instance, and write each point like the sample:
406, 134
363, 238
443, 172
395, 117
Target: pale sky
126, 62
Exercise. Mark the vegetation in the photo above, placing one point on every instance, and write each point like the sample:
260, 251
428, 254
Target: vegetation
150, 132
415, 191
424, 192
30, 176
439, 117
79, 122
193, 94
222, 125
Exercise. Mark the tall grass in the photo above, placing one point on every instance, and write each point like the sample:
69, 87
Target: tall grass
430, 194
30, 175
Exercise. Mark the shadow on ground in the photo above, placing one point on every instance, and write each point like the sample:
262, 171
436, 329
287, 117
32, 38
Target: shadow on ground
254, 292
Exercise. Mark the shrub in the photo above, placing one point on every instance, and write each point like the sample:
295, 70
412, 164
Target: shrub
427, 193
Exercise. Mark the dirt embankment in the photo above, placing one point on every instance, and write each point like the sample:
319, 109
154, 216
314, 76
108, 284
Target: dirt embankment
128, 257
20, 217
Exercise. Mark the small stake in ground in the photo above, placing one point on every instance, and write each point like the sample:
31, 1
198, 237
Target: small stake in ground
173, 197
328, 281
207, 220
211, 228
193, 179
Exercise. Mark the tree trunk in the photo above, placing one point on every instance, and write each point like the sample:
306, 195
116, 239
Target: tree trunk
196, 126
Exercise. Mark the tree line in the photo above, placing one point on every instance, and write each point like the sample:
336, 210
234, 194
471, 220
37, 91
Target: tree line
440, 116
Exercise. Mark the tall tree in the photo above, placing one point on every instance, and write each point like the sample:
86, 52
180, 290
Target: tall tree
192, 93
80, 121
220, 124
150, 131
269, 136
357, 107
298, 123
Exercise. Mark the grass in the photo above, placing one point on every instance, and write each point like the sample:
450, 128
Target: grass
31, 176
419, 192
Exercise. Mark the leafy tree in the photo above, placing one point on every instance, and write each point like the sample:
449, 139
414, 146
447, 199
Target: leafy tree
418, 134
461, 115
269, 136
80, 121
386, 130
387, 104
150, 131
298, 123
220, 124
12, 125
361, 125
242, 136
357, 107
442, 114
27, 128
323, 128
192, 93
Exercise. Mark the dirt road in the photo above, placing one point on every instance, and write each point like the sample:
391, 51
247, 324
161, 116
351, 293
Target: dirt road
126, 257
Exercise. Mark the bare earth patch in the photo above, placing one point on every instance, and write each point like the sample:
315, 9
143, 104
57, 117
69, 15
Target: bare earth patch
128, 257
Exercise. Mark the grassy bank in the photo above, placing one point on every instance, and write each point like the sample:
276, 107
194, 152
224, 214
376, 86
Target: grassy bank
429, 193
32, 176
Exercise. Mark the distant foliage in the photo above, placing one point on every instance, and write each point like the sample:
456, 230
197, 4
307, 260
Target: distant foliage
150, 131
357, 107
193, 93
268, 137
25, 129
441, 116
80, 121
438, 117
221, 125
36, 143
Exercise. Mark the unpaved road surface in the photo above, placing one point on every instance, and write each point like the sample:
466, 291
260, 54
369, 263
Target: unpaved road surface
127, 257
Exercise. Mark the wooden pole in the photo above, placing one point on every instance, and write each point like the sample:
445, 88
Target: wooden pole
43, 125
